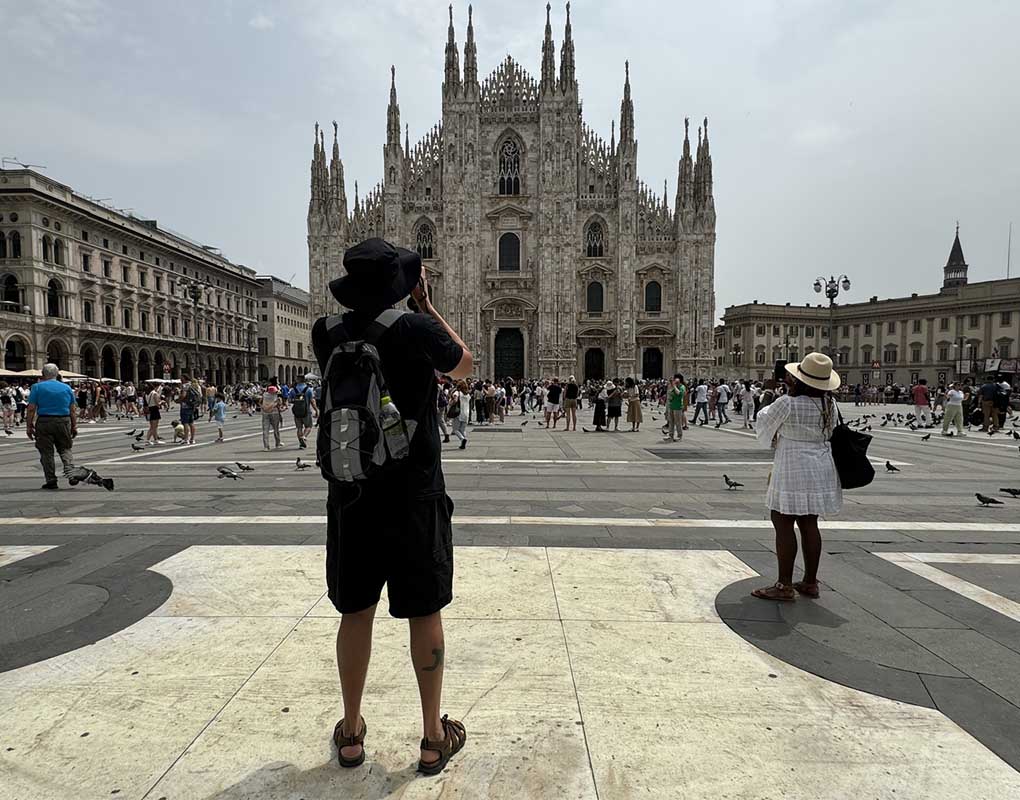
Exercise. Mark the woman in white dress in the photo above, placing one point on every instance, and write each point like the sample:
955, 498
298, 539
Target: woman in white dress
804, 484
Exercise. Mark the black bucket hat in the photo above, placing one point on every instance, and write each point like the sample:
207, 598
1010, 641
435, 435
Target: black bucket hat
379, 274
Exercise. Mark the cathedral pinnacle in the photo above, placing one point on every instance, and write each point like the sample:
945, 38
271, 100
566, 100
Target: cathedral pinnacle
393, 113
548, 54
470, 55
568, 80
451, 82
626, 110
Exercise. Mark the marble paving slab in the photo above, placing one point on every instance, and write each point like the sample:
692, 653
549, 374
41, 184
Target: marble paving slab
579, 673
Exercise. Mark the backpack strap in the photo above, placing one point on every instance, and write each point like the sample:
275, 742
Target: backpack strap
381, 324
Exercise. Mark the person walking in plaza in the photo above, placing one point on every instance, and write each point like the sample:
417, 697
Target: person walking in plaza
191, 400
700, 402
675, 408
599, 417
152, 402
571, 393
52, 421
302, 405
747, 403
395, 530
457, 412
989, 408
953, 411
218, 414
722, 397
922, 403
803, 484
552, 403
633, 397
272, 414
614, 403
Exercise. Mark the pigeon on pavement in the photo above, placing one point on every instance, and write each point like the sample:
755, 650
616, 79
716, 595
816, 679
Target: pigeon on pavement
524, 423
133, 432
890, 468
730, 484
227, 472
8, 432
139, 437
244, 467
1011, 492
137, 447
299, 464
926, 437
987, 501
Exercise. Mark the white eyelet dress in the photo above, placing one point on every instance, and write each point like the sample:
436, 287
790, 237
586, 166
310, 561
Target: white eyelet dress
804, 479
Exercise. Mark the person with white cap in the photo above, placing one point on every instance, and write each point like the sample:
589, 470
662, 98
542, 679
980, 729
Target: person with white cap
803, 484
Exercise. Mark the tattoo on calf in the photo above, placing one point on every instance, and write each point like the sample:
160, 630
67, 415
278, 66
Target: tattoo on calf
438, 656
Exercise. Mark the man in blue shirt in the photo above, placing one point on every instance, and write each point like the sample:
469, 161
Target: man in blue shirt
52, 421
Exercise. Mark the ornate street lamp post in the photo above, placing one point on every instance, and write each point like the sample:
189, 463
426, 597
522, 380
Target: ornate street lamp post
832, 287
195, 290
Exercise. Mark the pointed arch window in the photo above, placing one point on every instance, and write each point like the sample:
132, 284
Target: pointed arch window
594, 241
509, 168
595, 298
425, 240
509, 253
653, 296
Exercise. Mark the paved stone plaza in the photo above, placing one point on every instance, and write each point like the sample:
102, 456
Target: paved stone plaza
171, 639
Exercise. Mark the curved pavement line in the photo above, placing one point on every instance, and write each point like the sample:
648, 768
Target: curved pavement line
131, 590
985, 715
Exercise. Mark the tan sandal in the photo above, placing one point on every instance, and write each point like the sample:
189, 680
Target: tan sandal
778, 591
447, 747
349, 741
807, 589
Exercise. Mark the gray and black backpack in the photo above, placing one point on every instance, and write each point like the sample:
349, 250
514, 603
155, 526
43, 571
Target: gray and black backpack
350, 446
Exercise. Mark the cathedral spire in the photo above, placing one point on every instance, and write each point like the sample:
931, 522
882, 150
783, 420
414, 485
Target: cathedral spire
626, 110
407, 140
337, 194
315, 188
612, 138
548, 55
393, 112
451, 82
568, 81
705, 162
685, 173
470, 55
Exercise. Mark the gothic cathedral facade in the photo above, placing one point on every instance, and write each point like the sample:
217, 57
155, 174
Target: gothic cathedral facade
542, 247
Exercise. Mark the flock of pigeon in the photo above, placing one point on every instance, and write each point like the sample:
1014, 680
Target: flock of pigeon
866, 423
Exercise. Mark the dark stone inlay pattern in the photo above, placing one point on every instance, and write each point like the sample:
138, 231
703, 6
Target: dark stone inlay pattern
132, 592
974, 650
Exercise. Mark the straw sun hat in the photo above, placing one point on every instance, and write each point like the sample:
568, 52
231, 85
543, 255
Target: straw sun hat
815, 370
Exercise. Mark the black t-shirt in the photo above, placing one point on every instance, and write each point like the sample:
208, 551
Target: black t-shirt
413, 349
553, 394
573, 390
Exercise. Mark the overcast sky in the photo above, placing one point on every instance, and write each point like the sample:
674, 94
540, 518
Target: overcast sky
846, 136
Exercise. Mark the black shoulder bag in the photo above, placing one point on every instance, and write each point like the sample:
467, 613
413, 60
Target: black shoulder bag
850, 455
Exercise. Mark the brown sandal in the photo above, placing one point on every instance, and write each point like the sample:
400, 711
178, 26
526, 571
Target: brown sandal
447, 747
778, 591
807, 589
349, 741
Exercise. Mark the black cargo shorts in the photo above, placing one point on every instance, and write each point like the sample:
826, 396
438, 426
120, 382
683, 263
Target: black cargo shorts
379, 538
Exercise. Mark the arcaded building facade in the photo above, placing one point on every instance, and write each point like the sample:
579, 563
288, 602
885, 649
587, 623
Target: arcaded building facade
543, 247
109, 295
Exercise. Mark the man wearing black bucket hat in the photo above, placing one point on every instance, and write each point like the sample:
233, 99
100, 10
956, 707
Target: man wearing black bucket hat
395, 531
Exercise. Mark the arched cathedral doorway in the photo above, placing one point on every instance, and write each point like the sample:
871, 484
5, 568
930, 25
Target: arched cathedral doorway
508, 354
